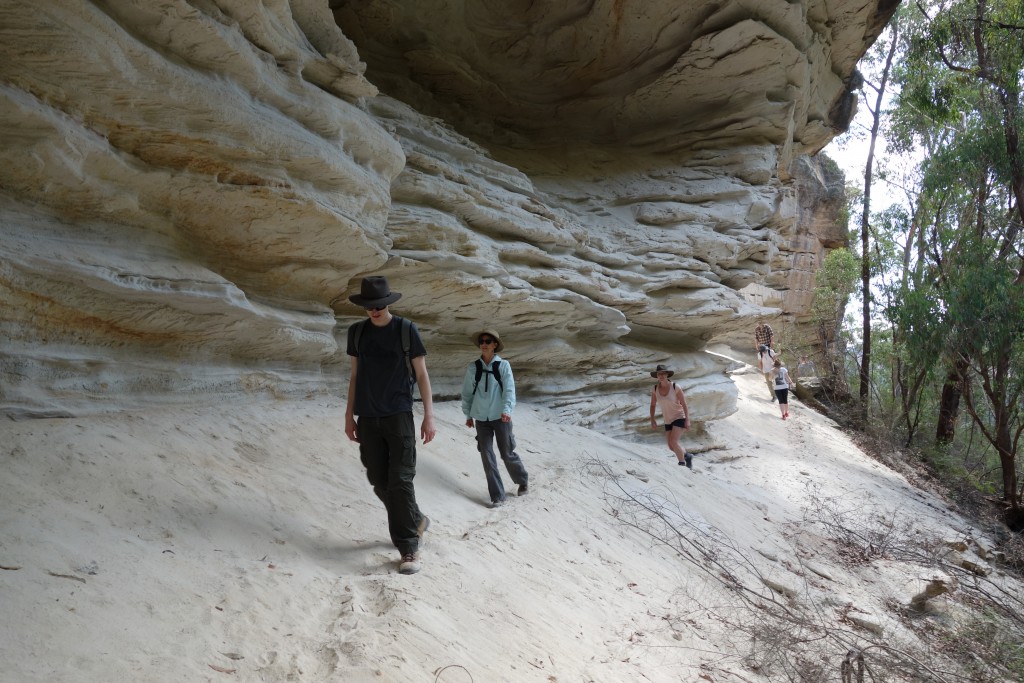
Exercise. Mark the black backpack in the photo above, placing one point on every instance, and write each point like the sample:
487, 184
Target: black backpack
406, 333
494, 371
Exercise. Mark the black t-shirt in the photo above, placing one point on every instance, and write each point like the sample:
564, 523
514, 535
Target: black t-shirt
382, 380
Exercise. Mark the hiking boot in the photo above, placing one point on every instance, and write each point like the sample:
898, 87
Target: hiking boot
422, 527
497, 503
523, 490
688, 460
410, 563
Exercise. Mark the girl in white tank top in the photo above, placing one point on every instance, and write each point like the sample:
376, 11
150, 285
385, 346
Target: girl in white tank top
669, 398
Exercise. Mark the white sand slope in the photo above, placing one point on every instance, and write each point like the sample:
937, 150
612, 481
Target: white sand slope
243, 543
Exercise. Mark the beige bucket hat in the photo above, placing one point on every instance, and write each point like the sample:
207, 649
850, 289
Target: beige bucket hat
475, 338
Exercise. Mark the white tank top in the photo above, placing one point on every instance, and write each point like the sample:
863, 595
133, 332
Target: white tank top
671, 409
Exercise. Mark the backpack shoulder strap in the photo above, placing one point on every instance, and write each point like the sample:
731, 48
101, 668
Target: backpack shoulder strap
479, 373
495, 366
357, 332
406, 332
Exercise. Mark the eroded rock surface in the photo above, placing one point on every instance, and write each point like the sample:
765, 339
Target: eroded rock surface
186, 187
661, 75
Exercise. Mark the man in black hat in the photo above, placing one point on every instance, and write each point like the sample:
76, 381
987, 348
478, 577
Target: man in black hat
387, 356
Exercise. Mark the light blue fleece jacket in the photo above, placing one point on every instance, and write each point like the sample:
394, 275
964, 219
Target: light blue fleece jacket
489, 402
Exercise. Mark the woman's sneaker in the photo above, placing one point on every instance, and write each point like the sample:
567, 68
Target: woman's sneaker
410, 563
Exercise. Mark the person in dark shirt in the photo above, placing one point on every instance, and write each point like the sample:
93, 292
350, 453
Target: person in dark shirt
380, 394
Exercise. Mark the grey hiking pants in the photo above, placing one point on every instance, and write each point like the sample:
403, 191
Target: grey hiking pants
486, 433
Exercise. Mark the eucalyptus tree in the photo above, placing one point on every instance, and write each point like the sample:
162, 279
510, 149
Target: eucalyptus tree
960, 85
887, 45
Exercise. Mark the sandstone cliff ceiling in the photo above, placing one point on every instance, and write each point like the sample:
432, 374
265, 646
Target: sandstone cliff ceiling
189, 188
658, 74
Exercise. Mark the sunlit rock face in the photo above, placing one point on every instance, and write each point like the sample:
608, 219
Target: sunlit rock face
186, 189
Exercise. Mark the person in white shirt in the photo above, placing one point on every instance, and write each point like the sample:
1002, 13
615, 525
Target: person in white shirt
766, 364
783, 382
670, 399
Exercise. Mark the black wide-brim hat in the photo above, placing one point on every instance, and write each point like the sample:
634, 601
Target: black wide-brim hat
662, 368
374, 292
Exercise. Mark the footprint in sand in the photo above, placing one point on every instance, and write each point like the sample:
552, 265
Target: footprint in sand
295, 666
251, 452
360, 608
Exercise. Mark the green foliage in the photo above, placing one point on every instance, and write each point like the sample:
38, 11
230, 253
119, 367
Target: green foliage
888, 252
950, 266
954, 98
985, 307
836, 280
829, 165
916, 313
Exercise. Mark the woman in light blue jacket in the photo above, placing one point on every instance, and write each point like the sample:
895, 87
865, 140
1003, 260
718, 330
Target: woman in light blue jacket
488, 398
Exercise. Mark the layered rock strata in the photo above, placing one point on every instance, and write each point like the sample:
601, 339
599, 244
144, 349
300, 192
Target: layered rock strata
186, 187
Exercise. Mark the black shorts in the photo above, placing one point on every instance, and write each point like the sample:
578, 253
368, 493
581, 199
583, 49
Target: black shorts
681, 423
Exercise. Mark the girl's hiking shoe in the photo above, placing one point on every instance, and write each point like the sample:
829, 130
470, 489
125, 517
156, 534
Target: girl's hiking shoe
410, 563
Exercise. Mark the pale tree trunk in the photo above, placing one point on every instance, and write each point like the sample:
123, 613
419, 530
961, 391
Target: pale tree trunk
865, 268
